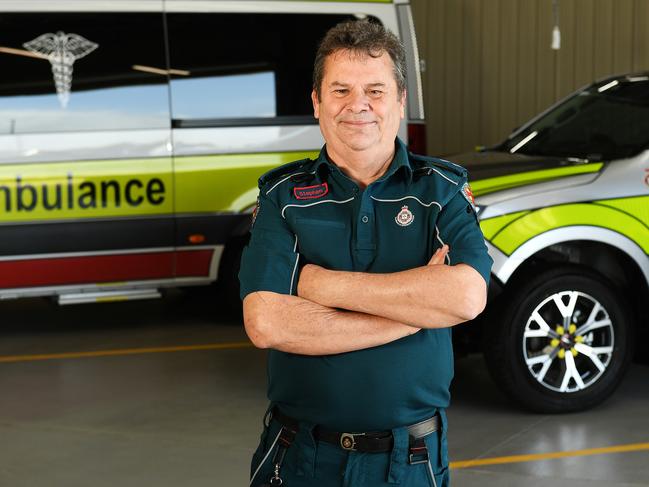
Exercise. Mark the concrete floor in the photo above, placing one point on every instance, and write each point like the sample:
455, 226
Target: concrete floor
193, 418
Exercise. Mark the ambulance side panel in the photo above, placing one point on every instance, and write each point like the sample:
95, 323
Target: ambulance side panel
86, 186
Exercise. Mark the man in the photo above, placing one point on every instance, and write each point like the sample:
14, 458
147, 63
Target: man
358, 264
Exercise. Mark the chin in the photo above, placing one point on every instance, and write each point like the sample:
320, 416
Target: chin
360, 143
358, 146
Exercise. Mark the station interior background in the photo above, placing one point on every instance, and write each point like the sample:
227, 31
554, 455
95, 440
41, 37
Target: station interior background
489, 65
180, 401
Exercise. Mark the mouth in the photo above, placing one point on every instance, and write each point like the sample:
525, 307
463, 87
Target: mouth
357, 123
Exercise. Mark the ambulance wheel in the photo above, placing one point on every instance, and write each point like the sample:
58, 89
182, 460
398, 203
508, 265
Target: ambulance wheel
561, 341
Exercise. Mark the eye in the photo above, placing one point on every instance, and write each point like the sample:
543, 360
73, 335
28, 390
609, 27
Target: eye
341, 91
376, 92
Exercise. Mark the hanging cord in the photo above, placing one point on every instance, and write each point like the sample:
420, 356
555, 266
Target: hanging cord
556, 33
265, 457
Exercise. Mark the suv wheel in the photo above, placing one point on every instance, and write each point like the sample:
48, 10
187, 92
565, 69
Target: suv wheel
562, 341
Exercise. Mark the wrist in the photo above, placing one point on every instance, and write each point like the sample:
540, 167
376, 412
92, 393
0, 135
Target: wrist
305, 287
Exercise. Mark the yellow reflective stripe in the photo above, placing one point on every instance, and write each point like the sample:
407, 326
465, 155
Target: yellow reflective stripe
637, 207
134, 187
85, 189
491, 226
226, 182
490, 185
537, 222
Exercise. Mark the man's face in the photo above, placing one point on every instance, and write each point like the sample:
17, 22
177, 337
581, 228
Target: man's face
359, 107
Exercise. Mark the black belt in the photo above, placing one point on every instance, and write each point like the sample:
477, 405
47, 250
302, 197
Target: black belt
370, 442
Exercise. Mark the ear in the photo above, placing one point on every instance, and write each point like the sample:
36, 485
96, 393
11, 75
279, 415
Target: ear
316, 104
402, 104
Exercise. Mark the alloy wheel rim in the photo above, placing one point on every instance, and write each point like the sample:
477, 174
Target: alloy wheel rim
568, 341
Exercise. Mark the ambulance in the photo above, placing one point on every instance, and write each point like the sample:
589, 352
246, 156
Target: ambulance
133, 132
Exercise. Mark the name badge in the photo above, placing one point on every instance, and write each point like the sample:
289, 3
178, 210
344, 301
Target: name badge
311, 192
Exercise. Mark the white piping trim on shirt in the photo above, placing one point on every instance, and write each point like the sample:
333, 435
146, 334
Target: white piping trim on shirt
405, 198
448, 259
297, 258
451, 162
316, 203
287, 177
445, 177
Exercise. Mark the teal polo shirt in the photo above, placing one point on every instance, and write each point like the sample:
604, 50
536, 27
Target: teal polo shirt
311, 212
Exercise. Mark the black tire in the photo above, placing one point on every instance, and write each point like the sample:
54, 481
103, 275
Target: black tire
507, 346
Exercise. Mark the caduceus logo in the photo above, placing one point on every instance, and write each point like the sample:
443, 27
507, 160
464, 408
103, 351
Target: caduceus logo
62, 50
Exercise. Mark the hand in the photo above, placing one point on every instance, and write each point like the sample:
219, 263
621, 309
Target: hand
439, 256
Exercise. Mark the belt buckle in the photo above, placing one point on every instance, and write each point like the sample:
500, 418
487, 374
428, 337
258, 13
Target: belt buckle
417, 455
348, 441
412, 461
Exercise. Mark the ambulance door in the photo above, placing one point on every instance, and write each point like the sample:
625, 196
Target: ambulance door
86, 187
240, 98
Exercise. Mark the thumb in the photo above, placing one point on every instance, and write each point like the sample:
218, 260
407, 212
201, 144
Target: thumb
439, 255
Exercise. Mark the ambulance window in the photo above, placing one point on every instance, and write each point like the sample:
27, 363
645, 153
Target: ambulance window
243, 69
65, 72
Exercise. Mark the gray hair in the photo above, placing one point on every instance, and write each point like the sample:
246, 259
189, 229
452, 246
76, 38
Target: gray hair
361, 37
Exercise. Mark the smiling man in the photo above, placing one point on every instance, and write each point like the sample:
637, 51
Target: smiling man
359, 263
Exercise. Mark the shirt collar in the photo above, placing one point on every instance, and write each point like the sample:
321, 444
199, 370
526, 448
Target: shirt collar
400, 160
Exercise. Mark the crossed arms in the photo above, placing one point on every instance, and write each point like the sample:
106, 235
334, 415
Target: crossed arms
338, 311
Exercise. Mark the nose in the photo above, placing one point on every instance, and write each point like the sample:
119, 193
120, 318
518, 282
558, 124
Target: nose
358, 101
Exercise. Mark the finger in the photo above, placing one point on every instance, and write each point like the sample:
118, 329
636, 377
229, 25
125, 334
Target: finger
443, 252
433, 259
439, 256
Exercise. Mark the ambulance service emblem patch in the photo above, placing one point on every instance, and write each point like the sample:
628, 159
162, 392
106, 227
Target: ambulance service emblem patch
468, 194
254, 212
404, 217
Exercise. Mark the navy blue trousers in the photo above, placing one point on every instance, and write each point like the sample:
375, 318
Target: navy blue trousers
311, 463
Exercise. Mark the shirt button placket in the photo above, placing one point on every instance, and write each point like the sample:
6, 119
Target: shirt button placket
365, 245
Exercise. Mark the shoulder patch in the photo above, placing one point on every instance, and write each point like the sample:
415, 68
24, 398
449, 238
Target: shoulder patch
254, 213
284, 170
468, 194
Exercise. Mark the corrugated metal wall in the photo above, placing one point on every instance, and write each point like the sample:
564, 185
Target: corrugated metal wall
489, 65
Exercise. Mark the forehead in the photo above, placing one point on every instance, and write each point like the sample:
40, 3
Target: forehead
345, 66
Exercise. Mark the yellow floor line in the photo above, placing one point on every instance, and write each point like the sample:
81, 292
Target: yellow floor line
549, 456
125, 351
238, 345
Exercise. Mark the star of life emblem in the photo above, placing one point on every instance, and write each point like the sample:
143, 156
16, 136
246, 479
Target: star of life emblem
404, 217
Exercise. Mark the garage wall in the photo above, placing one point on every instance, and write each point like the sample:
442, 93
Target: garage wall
489, 65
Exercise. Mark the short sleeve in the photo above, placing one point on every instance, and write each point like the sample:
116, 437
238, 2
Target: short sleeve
458, 227
270, 260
